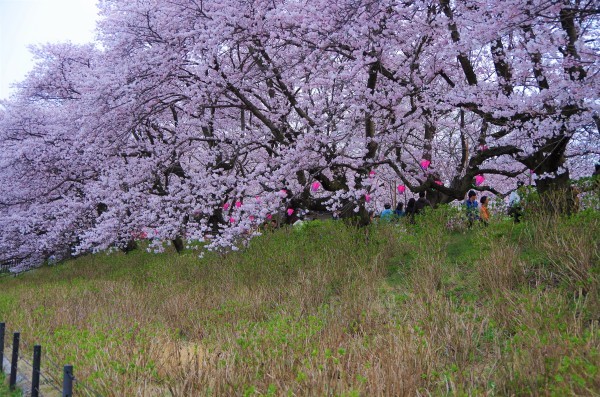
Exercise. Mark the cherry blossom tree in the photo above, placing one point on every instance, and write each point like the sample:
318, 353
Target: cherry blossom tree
196, 117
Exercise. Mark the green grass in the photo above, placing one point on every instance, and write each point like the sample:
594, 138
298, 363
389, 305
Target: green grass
331, 310
4, 390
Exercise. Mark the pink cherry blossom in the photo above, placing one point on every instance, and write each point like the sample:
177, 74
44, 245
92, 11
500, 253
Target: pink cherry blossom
177, 108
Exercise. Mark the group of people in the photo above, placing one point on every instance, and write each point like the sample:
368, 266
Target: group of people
413, 207
477, 211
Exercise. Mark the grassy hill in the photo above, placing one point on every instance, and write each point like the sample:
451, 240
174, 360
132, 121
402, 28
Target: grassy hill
394, 309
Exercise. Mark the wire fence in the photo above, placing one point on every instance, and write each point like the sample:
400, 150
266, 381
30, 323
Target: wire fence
5, 266
35, 381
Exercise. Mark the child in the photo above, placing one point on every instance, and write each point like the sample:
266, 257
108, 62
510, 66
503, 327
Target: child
484, 213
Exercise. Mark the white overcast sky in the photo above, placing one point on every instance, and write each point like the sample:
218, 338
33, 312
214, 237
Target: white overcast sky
26, 22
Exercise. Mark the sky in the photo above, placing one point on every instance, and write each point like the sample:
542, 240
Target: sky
27, 22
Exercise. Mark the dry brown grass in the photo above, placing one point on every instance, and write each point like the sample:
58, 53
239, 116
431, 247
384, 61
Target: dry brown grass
312, 314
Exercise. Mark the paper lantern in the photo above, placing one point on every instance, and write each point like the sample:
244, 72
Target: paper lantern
401, 188
290, 211
368, 198
226, 206
238, 204
315, 186
232, 220
479, 180
269, 216
283, 193
425, 164
438, 182
371, 174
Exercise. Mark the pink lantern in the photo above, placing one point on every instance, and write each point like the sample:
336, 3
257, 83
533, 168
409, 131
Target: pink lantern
315, 186
290, 211
425, 164
238, 204
479, 180
226, 206
269, 216
371, 174
438, 182
401, 189
368, 198
232, 220
283, 193
251, 217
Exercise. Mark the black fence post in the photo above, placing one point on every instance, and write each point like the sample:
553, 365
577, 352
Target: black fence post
15, 361
67, 381
2, 328
35, 376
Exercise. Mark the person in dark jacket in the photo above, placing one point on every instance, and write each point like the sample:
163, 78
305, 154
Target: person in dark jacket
410, 210
421, 203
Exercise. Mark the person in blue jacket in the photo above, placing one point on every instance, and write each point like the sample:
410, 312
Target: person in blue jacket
387, 214
472, 207
399, 212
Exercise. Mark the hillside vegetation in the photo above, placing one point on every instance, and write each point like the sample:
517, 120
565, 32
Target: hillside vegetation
393, 309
